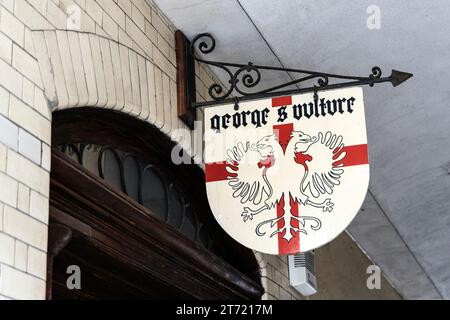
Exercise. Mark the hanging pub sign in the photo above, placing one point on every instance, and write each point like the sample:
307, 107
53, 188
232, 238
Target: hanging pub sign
287, 174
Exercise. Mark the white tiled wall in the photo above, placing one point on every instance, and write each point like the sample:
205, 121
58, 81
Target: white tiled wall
121, 56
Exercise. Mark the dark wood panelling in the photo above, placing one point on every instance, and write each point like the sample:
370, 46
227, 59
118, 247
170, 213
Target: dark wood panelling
146, 252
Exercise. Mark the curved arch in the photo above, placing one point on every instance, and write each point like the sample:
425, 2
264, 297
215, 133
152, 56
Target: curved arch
81, 69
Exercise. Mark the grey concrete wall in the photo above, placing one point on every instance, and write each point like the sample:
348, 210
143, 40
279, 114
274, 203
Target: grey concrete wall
341, 269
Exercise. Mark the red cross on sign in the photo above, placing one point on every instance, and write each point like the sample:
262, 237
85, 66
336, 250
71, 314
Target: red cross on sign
288, 174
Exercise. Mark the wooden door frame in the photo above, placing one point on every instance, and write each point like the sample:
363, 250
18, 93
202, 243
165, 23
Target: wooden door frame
119, 226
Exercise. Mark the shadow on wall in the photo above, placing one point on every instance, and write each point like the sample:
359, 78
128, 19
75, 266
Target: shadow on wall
341, 270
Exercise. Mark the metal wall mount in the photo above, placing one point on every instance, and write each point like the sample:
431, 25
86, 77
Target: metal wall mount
186, 90
243, 79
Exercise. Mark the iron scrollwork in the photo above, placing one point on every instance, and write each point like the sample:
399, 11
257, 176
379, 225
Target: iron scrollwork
245, 77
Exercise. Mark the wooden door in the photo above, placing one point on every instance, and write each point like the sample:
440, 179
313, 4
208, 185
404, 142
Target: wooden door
150, 236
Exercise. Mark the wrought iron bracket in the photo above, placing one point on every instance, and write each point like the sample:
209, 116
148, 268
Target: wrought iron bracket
243, 79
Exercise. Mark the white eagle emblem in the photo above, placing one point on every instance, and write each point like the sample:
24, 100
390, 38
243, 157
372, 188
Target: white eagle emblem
314, 165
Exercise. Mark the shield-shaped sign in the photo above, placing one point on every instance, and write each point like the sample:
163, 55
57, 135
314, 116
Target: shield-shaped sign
288, 174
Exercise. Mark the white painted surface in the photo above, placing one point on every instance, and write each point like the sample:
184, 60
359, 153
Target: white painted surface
236, 202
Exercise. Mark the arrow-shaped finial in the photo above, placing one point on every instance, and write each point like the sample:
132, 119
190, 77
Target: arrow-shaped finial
398, 77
